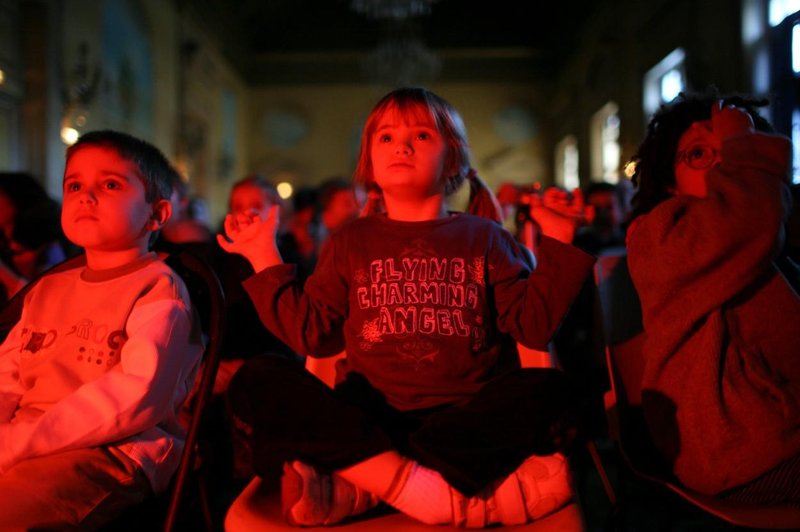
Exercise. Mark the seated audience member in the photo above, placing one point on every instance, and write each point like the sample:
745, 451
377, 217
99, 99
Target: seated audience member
300, 243
508, 196
245, 335
93, 375
606, 215
182, 227
721, 385
338, 204
426, 415
31, 239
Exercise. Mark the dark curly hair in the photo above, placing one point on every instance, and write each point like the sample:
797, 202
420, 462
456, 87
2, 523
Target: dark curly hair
655, 157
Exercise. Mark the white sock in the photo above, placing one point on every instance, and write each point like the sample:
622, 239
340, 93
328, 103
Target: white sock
421, 493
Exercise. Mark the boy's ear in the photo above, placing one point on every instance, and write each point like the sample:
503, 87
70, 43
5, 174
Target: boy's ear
162, 210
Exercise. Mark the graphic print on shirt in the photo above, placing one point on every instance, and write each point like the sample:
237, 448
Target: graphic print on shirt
91, 343
418, 296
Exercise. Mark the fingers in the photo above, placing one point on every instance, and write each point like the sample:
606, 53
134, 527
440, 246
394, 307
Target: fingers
224, 243
229, 224
729, 121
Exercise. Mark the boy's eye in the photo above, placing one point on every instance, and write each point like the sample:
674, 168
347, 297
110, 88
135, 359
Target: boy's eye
113, 185
72, 187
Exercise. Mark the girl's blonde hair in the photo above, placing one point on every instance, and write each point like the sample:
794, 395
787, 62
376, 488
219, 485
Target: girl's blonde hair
410, 100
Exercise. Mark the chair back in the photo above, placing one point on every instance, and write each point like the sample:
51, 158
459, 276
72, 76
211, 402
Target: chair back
208, 299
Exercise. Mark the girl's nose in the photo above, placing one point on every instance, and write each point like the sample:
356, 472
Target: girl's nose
403, 147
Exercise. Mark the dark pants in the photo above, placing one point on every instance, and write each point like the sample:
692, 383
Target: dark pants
291, 415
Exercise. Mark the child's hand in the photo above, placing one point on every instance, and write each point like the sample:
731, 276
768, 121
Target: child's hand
729, 121
253, 238
559, 213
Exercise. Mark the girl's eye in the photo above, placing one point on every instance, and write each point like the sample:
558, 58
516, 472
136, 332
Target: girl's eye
384, 138
424, 135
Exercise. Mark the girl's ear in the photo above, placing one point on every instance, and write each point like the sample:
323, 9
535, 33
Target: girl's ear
162, 210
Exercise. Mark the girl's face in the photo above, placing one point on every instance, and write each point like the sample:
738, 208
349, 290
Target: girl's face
249, 199
698, 151
408, 154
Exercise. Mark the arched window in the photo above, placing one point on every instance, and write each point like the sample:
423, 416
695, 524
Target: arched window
783, 44
605, 143
664, 82
567, 163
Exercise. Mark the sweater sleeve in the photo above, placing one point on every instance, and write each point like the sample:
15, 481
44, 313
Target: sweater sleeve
717, 245
10, 389
137, 394
309, 319
531, 304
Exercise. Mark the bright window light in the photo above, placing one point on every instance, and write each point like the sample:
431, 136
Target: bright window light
571, 177
796, 144
654, 81
796, 48
611, 150
671, 85
567, 163
780, 9
605, 155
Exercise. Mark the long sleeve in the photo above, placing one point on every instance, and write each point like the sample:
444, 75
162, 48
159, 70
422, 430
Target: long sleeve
137, 394
717, 245
531, 304
102, 358
719, 388
424, 309
10, 389
308, 319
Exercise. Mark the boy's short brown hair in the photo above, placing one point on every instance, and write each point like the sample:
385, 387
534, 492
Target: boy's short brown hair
154, 170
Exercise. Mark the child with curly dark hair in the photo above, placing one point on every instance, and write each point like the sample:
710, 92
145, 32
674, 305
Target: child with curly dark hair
721, 386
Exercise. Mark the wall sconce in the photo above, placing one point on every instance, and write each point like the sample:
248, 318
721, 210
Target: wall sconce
78, 93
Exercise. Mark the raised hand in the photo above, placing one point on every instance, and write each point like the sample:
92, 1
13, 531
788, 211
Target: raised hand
559, 213
253, 238
729, 121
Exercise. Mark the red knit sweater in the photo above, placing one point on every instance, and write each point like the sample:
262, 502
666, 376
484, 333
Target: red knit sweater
721, 389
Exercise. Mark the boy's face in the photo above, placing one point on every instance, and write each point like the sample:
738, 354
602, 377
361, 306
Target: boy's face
104, 203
